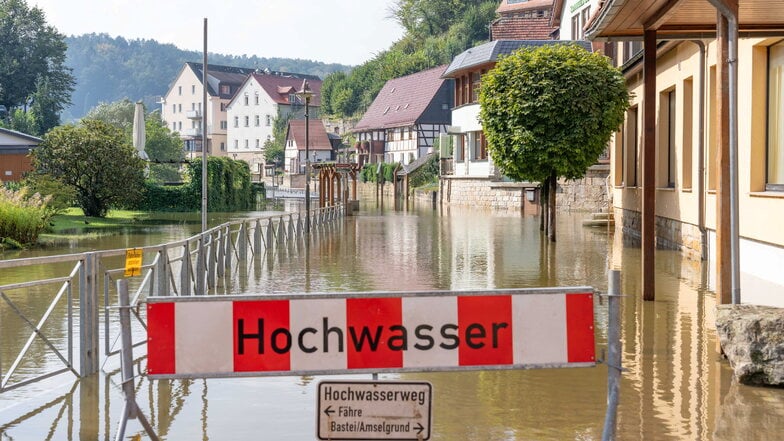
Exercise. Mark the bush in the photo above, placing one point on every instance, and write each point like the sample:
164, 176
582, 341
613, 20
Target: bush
22, 216
425, 175
369, 172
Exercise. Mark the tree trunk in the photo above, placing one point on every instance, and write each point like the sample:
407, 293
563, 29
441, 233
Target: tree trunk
552, 183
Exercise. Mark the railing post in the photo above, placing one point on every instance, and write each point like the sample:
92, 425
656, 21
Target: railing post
162, 272
299, 224
281, 230
228, 253
270, 233
88, 316
221, 268
242, 243
290, 235
211, 262
257, 238
614, 359
185, 270
201, 267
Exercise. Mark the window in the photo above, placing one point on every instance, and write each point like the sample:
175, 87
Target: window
630, 174
257, 143
247, 121
258, 120
179, 90
667, 142
410, 133
688, 121
223, 107
193, 90
179, 108
174, 126
774, 178
225, 89
236, 143
479, 150
236, 121
256, 99
579, 21
246, 99
179, 125
193, 106
224, 125
475, 82
174, 108
269, 120
246, 143
223, 147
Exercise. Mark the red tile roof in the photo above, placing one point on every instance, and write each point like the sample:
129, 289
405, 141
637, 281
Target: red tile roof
402, 101
520, 28
506, 6
279, 88
317, 134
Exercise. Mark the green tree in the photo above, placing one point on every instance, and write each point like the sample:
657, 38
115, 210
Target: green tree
97, 160
32, 64
164, 149
274, 150
549, 112
118, 113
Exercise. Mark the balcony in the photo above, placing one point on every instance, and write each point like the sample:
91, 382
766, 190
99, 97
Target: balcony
193, 114
191, 133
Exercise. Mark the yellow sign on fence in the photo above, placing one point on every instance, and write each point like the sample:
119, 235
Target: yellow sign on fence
133, 262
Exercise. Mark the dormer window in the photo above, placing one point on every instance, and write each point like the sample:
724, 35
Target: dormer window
225, 89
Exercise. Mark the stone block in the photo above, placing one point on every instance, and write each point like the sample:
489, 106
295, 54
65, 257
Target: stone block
752, 339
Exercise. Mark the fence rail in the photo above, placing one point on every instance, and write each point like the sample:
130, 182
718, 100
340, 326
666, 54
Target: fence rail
193, 266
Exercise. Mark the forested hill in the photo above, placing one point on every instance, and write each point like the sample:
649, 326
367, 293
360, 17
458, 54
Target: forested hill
108, 69
436, 31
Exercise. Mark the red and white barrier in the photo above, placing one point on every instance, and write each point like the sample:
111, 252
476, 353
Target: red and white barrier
220, 337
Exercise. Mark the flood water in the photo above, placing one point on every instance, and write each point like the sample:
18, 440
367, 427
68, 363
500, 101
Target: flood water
675, 386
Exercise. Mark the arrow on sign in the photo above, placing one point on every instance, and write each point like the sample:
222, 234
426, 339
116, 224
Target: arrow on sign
328, 411
419, 428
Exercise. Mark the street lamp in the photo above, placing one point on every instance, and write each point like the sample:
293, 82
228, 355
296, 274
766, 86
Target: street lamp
307, 94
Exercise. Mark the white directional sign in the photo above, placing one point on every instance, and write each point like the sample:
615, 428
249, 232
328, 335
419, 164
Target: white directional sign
387, 410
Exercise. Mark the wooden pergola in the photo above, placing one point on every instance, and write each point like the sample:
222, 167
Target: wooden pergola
334, 182
726, 21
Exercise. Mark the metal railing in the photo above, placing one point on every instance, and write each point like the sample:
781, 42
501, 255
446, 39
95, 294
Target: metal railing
193, 266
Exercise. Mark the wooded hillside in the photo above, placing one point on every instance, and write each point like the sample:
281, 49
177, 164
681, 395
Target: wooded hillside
108, 69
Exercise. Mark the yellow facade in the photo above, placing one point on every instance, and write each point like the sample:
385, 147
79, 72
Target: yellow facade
679, 87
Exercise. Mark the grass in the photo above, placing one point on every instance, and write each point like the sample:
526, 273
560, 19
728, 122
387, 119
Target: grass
73, 224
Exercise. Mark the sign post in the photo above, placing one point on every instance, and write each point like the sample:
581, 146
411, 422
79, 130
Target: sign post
385, 410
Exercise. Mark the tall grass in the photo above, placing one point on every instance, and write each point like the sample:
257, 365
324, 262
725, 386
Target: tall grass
23, 216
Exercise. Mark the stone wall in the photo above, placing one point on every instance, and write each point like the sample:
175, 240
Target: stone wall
670, 234
487, 194
588, 194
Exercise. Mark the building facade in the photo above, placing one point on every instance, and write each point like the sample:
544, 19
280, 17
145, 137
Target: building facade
181, 107
523, 20
258, 102
15, 148
320, 146
406, 118
672, 170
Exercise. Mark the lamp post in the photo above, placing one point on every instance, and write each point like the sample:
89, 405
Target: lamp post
307, 94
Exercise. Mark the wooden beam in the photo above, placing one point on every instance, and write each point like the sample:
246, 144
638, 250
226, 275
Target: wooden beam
662, 14
649, 165
723, 190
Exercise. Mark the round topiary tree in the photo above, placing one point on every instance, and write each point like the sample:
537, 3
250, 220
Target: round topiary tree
548, 112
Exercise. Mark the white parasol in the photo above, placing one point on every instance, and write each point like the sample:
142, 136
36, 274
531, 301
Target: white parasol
139, 137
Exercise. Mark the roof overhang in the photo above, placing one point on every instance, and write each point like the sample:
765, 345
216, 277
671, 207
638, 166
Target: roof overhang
621, 20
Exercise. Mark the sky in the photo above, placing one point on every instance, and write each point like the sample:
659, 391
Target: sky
332, 31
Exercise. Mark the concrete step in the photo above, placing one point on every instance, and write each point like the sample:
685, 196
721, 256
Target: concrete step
599, 223
601, 216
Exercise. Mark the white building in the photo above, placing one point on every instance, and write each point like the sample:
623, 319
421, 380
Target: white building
181, 107
251, 114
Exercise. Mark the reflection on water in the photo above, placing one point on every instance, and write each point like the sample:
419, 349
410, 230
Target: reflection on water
675, 387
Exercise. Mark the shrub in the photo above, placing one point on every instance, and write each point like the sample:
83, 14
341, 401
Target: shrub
23, 216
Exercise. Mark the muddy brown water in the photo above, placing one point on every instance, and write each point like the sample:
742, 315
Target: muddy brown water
675, 386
